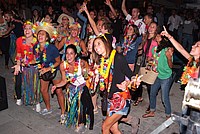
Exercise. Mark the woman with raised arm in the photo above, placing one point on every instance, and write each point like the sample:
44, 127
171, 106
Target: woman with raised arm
192, 68
73, 38
113, 71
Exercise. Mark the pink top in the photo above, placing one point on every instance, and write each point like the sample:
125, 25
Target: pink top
153, 44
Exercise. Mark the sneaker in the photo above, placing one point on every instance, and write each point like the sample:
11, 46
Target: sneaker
80, 129
45, 112
37, 108
62, 119
19, 102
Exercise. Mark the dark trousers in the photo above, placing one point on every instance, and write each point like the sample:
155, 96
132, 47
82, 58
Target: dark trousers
5, 46
88, 107
18, 83
139, 91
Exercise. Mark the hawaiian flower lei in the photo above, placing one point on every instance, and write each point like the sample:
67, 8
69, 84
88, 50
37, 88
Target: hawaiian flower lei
44, 56
189, 72
72, 79
156, 56
127, 42
27, 53
104, 71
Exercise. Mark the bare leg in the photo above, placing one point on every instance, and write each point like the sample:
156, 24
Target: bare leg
94, 101
131, 66
109, 122
60, 97
115, 129
45, 94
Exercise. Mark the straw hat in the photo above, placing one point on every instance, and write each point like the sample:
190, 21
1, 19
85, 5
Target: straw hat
46, 27
71, 20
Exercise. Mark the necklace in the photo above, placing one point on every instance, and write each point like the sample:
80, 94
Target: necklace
189, 72
127, 42
28, 51
38, 54
105, 68
156, 56
74, 78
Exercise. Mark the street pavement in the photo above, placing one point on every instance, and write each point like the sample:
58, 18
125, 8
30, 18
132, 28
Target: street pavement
24, 120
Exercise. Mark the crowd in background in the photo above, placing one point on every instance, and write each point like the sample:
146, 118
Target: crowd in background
85, 45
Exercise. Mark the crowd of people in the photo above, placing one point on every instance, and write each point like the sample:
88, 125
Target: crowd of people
97, 52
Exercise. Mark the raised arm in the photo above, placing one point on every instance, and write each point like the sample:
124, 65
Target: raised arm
92, 23
124, 8
177, 45
107, 2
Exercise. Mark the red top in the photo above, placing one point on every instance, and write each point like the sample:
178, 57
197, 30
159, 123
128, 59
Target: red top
25, 50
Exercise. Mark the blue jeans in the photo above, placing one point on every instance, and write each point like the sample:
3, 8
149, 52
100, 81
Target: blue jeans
165, 85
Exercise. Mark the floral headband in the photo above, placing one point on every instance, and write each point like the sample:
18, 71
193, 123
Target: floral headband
28, 23
46, 27
75, 24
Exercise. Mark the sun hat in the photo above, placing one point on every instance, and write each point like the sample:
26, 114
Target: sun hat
38, 26
71, 19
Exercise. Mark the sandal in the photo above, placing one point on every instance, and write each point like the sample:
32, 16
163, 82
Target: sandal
140, 99
95, 111
135, 103
151, 114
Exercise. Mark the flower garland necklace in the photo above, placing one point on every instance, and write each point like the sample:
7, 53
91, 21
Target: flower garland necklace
127, 42
74, 78
189, 72
27, 53
44, 55
104, 71
156, 56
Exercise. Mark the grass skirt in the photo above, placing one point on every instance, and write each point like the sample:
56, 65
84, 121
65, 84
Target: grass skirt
74, 107
30, 89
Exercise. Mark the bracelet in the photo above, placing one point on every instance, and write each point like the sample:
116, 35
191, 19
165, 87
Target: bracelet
170, 37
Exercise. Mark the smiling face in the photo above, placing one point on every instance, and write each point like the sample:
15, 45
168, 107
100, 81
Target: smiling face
74, 31
135, 13
70, 55
99, 47
90, 44
99, 25
65, 20
42, 36
196, 50
152, 28
130, 31
28, 31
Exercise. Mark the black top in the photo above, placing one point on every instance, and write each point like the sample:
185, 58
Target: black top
120, 70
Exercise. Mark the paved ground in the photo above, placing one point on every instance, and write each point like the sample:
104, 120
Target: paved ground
23, 120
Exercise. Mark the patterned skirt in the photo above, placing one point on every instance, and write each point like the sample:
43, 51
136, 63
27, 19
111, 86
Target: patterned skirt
119, 103
30, 89
74, 107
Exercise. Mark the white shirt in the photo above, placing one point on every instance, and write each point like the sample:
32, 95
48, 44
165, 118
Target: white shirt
139, 23
80, 79
174, 22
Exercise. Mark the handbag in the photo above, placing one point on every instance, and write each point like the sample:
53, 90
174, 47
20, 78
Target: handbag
48, 76
149, 76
